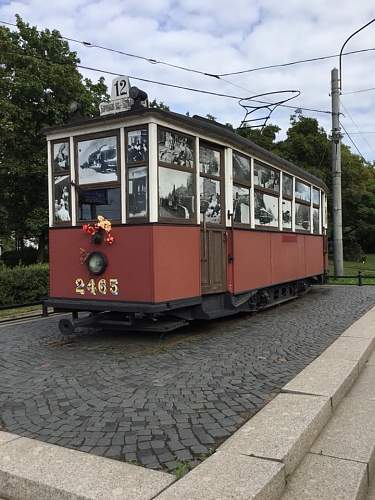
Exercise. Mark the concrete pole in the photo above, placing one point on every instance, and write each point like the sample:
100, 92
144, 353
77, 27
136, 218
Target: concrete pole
336, 175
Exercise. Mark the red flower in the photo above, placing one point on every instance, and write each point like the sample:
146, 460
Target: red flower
109, 239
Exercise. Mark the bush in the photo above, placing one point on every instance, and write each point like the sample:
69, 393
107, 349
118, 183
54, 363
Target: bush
25, 257
353, 251
19, 285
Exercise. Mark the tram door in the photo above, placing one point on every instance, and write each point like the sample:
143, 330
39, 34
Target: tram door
213, 233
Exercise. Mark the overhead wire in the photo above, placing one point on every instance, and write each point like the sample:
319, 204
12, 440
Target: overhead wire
219, 76
357, 127
358, 91
352, 141
156, 82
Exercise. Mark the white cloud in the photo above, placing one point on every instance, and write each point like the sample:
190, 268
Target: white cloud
220, 36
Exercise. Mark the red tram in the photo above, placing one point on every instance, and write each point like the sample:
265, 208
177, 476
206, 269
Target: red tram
195, 222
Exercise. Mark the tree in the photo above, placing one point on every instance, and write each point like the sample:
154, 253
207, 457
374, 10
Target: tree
264, 138
159, 105
40, 86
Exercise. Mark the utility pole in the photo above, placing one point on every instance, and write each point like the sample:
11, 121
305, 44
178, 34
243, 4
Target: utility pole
336, 175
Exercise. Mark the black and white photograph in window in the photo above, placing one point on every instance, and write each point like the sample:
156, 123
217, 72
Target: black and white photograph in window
62, 198
303, 191
137, 145
316, 196
210, 201
266, 209
316, 220
287, 185
176, 149
241, 167
176, 194
61, 162
266, 177
209, 161
137, 191
287, 214
97, 160
101, 201
241, 205
302, 217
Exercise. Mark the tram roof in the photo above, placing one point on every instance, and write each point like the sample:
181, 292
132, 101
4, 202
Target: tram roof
196, 125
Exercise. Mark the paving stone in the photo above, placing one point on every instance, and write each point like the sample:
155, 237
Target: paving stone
108, 387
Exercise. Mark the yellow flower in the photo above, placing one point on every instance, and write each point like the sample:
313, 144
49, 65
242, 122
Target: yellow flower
104, 224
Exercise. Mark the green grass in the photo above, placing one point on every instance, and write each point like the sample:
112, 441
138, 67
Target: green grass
19, 312
352, 268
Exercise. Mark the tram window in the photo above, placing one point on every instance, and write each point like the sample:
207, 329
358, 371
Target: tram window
137, 191
97, 160
316, 220
266, 209
266, 177
287, 186
101, 201
241, 168
302, 217
61, 157
176, 194
62, 204
287, 214
316, 197
209, 161
241, 205
175, 149
303, 191
211, 199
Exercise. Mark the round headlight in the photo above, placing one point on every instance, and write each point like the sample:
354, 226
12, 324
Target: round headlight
96, 263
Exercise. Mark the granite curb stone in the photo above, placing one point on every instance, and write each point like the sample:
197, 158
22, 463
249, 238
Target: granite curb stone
327, 478
299, 417
350, 349
230, 477
31, 470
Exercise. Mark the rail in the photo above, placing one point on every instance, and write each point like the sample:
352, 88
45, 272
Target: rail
360, 279
26, 304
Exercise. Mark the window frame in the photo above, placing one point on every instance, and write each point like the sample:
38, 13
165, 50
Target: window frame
181, 168
308, 205
242, 184
97, 185
130, 165
55, 174
220, 178
264, 227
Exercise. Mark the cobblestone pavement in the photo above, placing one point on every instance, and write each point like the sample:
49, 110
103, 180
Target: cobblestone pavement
155, 401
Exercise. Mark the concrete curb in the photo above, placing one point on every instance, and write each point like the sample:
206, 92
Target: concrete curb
254, 463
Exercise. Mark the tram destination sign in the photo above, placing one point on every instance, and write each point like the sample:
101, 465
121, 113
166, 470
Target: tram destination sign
120, 97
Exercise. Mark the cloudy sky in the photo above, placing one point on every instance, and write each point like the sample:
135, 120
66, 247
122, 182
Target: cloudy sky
221, 36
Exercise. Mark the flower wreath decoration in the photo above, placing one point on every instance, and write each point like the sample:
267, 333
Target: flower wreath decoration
99, 232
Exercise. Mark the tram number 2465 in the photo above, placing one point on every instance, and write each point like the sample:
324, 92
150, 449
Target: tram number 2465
99, 287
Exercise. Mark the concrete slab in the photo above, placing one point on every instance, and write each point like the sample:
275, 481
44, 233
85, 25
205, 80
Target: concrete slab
371, 359
34, 470
364, 327
365, 385
351, 349
224, 476
371, 492
324, 378
350, 434
327, 478
284, 430
5, 437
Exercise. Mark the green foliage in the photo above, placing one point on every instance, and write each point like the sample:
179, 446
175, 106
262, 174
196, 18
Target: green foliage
159, 105
181, 469
19, 285
353, 251
40, 86
26, 257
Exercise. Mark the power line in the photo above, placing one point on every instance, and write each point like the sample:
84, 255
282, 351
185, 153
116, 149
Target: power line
358, 91
354, 144
147, 80
355, 124
218, 76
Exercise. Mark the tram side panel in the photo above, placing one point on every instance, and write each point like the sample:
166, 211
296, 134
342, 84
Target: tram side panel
145, 264
262, 259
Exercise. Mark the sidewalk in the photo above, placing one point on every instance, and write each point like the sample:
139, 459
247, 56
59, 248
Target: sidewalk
315, 440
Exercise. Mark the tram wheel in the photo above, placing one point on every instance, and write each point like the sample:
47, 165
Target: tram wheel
66, 327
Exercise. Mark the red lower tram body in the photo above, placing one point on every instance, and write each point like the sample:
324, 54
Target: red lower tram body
181, 272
